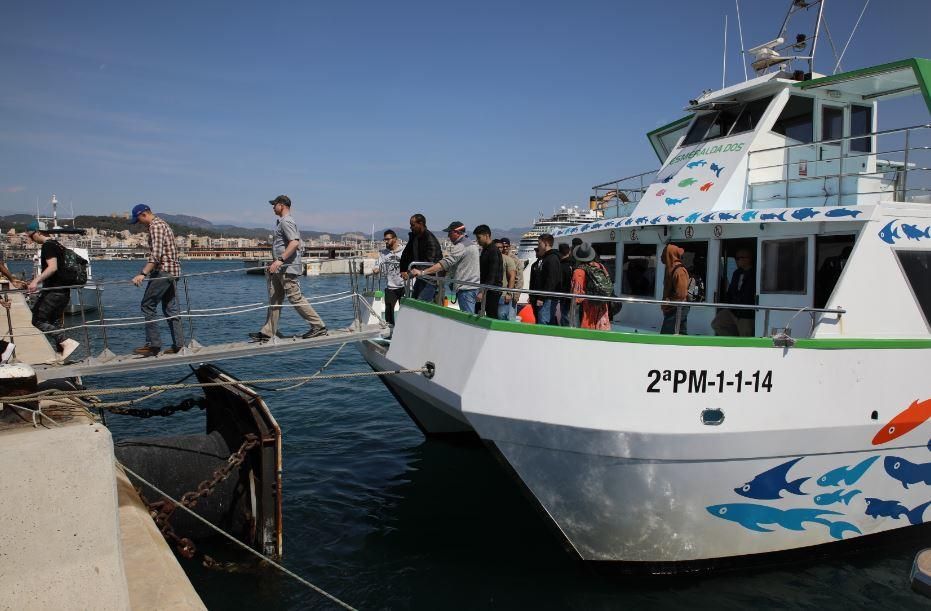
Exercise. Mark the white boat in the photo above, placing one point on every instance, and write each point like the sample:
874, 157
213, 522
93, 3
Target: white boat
668, 453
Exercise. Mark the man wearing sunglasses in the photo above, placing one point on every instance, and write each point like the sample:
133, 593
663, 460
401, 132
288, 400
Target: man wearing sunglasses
389, 265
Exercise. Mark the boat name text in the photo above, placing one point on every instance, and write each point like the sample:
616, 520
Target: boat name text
708, 150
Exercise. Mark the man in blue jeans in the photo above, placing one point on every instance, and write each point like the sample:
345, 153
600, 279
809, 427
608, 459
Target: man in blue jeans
161, 268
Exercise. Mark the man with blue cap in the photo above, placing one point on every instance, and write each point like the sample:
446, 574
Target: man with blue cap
162, 269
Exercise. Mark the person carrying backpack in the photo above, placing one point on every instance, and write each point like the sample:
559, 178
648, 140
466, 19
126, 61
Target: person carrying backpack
50, 307
591, 278
675, 288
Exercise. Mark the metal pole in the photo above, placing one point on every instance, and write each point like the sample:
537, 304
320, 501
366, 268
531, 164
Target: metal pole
574, 312
814, 43
481, 309
174, 289
678, 318
87, 337
765, 323
187, 300
905, 180
103, 321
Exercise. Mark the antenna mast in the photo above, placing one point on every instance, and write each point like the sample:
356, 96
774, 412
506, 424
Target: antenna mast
724, 67
743, 57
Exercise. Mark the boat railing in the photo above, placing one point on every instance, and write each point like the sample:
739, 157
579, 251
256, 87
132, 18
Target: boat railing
851, 170
103, 324
624, 192
780, 336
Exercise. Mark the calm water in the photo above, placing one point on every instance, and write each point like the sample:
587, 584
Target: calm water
384, 519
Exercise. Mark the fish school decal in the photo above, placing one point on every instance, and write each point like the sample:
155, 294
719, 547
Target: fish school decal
767, 215
893, 231
777, 483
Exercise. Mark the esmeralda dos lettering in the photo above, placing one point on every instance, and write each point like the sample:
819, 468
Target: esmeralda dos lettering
709, 150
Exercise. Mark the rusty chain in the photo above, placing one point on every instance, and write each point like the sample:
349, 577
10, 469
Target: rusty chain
162, 511
168, 410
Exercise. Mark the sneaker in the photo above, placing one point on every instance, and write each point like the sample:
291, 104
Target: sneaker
172, 350
66, 347
148, 350
315, 332
7, 352
259, 337
281, 335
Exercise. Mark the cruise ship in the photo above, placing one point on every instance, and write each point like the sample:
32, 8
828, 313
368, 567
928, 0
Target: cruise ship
566, 216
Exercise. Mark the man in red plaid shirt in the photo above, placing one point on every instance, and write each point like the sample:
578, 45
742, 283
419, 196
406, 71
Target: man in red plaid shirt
162, 268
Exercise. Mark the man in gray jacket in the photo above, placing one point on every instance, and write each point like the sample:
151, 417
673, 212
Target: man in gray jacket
461, 264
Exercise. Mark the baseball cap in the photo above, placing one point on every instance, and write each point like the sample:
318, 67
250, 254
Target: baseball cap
281, 199
137, 210
36, 226
506, 241
456, 226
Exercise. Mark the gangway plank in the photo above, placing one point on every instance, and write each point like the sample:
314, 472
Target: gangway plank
200, 354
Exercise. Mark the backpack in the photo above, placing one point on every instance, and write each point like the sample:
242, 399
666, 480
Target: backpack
696, 286
598, 283
72, 267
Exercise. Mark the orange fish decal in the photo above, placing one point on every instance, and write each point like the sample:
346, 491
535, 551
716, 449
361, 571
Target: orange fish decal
706, 186
906, 420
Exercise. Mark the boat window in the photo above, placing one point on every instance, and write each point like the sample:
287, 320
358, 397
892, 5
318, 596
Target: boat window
832, 123
607, 255
723, 122
784, 265
861, 123
639, 270
750, 115
795, 121
831, 254
917, 267
699, 128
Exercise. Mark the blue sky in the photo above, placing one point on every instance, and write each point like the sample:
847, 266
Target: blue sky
366, 112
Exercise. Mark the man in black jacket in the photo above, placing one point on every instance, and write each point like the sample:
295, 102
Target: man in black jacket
491, 270
550, 279
422, 246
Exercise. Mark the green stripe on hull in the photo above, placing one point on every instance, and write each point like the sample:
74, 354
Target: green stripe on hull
654, 338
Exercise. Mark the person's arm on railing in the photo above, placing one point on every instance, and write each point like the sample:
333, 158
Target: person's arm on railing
16, 282
51, 268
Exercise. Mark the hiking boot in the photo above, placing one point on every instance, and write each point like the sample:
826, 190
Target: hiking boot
66, 347
315, 332
172, 350
148, 350
259, 337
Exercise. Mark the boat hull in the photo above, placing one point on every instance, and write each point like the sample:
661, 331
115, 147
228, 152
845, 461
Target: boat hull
629, 446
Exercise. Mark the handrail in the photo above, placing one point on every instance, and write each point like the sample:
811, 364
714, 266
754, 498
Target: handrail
845, 138
620, 180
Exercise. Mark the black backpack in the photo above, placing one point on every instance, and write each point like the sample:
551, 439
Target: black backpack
72, 267
598, 283
695, 293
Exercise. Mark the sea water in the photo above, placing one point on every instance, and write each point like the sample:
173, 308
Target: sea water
385, 519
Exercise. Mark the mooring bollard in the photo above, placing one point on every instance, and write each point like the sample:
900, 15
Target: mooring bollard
921, 573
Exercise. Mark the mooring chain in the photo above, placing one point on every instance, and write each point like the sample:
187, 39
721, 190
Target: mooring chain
168, 410
162, 511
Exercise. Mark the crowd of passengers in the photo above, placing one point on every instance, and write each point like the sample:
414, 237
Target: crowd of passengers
569, 269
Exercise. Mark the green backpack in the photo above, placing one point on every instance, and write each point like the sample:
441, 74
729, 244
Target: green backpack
72, 268
598, 283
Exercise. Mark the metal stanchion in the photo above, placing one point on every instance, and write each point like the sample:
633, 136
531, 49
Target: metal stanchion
87, 337
574, 312
187, 300
678, 318
107, 353
174, 290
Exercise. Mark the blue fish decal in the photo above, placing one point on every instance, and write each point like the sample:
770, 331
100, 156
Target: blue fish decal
672, 201
846, 475
693, 217
656, 219
727, 216
672, 219
804, 213
716, 169
907, 472
769, 484
829, 498
629, 221
696, 164
707, 218
912, 232
749, 215
595, 226
642, 220
878, 508
771, 216
668, 178
889, 234
752, 517
836, 212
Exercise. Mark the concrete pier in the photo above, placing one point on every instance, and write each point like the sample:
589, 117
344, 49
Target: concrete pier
74, 533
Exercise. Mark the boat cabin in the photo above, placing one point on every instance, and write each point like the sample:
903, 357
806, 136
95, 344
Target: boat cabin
786, 178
